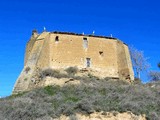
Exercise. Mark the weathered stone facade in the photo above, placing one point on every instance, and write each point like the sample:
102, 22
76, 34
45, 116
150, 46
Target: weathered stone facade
107, 56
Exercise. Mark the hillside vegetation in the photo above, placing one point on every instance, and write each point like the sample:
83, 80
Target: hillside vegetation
92, 95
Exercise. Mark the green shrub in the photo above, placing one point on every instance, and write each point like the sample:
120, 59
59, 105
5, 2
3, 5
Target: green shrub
51, 90
137, 81
107, 78
154, 75
27, 69
71, 70
91, 95
52, 73
92, 77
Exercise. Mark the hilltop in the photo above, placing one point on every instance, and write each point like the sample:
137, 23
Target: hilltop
92, 95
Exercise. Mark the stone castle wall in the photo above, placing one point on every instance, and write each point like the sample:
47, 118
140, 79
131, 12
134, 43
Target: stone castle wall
108, 57
69, 51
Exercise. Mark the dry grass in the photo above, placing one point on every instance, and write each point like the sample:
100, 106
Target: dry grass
93, 95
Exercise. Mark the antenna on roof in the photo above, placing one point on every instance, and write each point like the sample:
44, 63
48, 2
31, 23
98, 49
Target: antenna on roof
44, 29
93, 32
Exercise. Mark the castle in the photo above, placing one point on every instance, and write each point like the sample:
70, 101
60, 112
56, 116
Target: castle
107, 56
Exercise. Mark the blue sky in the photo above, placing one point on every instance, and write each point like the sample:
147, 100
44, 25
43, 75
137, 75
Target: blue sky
136, 22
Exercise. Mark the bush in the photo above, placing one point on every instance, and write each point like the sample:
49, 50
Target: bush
91, 95
92, 77
27, 69
52, 73
71, 70
154, 75
137, 81
159, 64
51, 90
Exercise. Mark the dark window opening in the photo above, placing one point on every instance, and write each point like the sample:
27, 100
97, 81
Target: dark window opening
88, 62
101, 53
84, 38
85, 43
57, 38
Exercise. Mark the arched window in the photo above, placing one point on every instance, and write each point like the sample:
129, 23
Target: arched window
57, 39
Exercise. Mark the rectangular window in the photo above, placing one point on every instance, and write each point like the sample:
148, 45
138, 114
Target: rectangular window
57, 39
88, 62
85, 43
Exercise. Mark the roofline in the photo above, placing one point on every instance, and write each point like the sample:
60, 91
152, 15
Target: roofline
77, 34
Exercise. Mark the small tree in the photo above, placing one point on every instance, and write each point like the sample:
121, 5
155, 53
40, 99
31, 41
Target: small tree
139, 62
154, 75
159, 64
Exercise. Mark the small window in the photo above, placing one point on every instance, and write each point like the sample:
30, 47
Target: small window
88, 62
85, 43
84, 38
101, 53
57, 39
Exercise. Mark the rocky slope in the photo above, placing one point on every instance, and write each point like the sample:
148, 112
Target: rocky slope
85, 101
104, 116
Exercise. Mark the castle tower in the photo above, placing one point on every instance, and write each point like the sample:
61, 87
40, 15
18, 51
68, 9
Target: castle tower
106, 56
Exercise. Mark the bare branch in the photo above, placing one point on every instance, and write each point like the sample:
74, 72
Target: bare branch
154, 75
139, 62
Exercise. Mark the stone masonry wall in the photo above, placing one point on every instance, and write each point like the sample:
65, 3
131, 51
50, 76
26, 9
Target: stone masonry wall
107, 57
69, 51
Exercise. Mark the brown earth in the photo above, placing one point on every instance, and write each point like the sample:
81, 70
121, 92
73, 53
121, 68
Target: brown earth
103, 116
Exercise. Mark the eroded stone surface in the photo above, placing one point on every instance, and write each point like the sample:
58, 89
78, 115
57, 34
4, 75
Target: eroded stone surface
103, 116
103, 56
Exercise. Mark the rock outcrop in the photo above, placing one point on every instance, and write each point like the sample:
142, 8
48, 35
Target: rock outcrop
104, 116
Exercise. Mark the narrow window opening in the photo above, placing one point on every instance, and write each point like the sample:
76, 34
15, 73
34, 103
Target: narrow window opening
101, 53
85, 43
88, 62
57, 38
